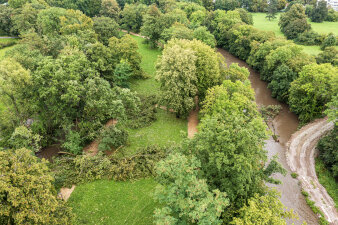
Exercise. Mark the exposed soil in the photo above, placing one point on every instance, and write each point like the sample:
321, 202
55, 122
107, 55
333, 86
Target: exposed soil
66, 192
285, 124
300, 157
93, 148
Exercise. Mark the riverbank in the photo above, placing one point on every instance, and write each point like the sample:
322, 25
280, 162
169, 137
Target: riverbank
286, 124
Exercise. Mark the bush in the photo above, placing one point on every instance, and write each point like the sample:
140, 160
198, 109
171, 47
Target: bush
112, 137
328, 151
332, 16
320, 11
73, 143
309, 38
330, 40
329, 55
147, 113
294, 175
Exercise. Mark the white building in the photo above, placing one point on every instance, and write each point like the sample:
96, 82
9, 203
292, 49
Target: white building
333, 4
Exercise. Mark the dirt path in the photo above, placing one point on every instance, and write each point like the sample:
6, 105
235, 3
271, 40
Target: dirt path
192, 123
93, 148
66, 192
300, 157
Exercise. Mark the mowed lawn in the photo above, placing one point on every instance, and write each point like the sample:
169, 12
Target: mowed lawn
263, 23
110, 202
149, 56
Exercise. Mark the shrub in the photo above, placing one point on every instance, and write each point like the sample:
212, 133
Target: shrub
73, 143
294, 175
329, 55
112, 137
330, 40
309, 38
332, 16
328, 153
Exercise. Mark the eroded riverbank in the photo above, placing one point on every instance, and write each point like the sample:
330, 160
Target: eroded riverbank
286, 124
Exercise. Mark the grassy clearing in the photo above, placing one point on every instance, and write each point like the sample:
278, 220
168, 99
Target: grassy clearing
149, 56
262, 23
327, 180
3, 51
165, 130
110, 202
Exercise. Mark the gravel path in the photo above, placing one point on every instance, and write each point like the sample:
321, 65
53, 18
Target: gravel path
300, 158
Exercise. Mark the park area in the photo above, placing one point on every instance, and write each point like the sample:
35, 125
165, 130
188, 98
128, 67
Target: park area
262, 23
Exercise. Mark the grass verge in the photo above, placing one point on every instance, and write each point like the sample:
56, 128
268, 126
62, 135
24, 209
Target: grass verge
327, 180
315, 209
110, 202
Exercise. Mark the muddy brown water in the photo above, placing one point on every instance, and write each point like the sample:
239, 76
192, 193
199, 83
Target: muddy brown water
286, 124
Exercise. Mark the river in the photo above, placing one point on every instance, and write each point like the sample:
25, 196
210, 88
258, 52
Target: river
286, 124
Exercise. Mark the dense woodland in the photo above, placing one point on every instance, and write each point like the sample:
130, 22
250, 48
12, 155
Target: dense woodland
69, 76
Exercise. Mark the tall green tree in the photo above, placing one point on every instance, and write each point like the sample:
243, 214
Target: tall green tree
312, 90
106, 28
271, 10
320, 12
187, 197
27, 193
110, 8
176, 72
294, 22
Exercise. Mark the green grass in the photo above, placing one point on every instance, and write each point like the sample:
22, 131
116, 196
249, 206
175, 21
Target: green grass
149, 56
4, 50
110, 202
262, 23
327, 180
164, 131
6, 40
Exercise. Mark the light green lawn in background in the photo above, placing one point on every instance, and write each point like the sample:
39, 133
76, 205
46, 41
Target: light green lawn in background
263, 23
114, 203
149, 56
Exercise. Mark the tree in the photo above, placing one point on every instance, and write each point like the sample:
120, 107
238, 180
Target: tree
132, 17
265, 209
178, 31
330, 40
176, 72
32, 202
258, 5
312, 90
246, 17
281, 4
151, 27
280, 83
202, 34
14, 84
5, 19
227, 4
235, 72
332, 109
207, 64
23, 137
110, 8
319, 13
294, 22
271, 10
186, 196
106, 28
329, 55
126, 48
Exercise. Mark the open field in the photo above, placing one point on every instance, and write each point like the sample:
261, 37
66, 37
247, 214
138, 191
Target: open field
110, 202
327, 180
262, 23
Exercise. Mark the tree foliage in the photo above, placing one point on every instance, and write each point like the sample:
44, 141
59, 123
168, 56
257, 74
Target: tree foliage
106, 28
294, 22
319, 13
32, 202
186, 196
312, 90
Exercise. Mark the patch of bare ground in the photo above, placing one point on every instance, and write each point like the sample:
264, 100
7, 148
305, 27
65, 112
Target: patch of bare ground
66, 192
300, 158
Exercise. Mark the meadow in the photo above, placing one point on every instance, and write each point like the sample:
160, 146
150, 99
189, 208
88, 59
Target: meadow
263, 23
